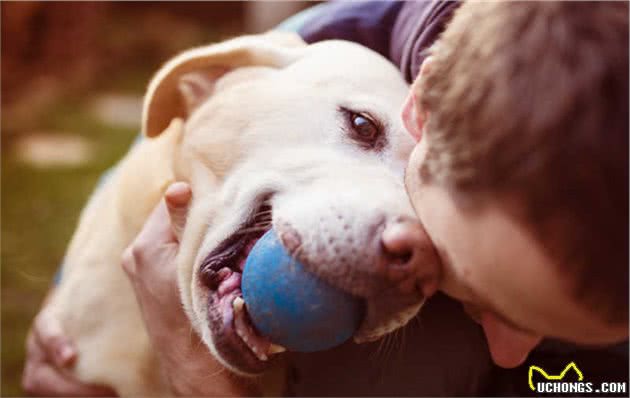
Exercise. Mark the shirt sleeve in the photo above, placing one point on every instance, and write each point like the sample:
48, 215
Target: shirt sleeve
400, 31
418, 25
369, 23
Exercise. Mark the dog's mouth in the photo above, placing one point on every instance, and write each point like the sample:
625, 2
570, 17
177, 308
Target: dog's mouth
235, 338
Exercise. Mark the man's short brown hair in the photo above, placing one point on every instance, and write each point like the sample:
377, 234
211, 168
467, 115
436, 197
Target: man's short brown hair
530, 100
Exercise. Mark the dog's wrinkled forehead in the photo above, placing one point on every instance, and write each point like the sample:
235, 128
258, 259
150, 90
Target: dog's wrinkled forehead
345, 65
332, 65
251, 95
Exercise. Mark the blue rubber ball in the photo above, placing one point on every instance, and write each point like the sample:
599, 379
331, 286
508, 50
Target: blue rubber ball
291, 306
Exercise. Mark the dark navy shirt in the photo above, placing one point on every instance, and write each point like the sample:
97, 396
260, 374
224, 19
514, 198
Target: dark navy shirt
400, 31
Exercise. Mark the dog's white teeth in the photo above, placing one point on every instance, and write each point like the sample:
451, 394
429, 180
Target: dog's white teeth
275, 349
258, 345
238, 304
259, 355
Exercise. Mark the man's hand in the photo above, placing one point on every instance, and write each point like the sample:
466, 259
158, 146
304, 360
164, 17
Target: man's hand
150, 263
49, 354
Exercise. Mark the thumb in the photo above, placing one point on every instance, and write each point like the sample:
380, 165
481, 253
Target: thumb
177, 198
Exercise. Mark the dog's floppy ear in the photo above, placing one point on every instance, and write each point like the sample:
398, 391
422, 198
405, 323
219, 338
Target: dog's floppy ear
195, 87
186, 80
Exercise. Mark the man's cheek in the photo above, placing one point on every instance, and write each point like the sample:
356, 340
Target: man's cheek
411, 185
412, 174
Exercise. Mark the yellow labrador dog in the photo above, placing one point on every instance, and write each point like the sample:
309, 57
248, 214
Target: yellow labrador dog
268, 131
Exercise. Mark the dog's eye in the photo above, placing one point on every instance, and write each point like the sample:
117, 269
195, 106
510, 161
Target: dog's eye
363, 128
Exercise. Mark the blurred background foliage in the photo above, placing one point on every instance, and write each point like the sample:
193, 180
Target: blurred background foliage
73, 75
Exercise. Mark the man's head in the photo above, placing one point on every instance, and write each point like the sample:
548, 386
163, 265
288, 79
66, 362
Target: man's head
521, 173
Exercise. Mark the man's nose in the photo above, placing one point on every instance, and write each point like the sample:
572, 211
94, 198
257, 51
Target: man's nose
409, 258
509, 347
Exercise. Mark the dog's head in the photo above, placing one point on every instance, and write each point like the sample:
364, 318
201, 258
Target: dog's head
307, 139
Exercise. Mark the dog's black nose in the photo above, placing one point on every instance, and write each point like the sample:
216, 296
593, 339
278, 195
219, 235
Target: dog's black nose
409, 258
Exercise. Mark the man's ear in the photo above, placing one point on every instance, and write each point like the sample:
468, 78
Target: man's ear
427, 65
185, 81
414, 117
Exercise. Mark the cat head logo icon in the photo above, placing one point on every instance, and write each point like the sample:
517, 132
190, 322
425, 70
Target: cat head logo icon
571, 366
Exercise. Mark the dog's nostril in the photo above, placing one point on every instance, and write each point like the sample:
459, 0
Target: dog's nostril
398, 257
399, 241
409, 258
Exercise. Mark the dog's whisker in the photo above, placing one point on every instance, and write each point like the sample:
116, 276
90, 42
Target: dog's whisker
387, 347
191, 336
398, 336
375, 353
404, 338
379, 349
252, 229
395, 345
391, 343
393, 349
262, 224
383, 353
214, 374
395, 340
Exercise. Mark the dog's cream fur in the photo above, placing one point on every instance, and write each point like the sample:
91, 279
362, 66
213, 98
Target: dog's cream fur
262, 116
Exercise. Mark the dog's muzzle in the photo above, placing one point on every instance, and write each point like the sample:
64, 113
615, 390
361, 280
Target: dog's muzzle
389, 261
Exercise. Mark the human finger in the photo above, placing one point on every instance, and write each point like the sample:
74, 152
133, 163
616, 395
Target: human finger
177, 198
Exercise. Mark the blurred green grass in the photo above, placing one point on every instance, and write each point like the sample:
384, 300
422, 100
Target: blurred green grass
40, 209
